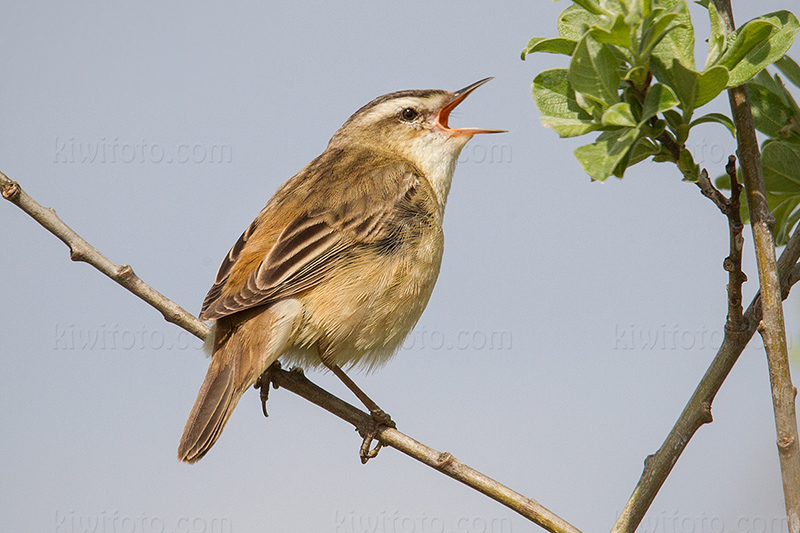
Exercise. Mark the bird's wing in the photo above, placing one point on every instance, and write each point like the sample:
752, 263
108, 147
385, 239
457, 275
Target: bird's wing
329, 224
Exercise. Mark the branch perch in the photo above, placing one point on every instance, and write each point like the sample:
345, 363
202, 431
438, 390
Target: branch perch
296, 382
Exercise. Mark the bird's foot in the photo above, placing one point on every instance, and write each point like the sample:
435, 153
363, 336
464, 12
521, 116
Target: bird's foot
263, 383
378, 418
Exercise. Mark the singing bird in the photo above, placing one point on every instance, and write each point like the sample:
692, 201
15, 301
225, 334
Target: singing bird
338, 267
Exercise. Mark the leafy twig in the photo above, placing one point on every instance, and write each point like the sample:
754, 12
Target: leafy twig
80, 250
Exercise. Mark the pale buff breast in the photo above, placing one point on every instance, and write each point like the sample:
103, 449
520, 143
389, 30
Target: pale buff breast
363, 312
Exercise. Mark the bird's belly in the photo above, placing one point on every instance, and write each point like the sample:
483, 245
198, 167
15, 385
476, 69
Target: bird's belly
363, 312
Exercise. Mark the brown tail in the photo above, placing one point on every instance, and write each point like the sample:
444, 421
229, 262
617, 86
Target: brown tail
239, 356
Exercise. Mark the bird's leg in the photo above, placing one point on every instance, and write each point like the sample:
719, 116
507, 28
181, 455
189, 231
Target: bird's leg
263, 383
379, 416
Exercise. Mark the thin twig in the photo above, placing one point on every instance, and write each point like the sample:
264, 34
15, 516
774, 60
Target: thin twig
80, 250
670, 144
733, 263
712, 193
730, 207
292, 381
442, 461
772, 326
698, 410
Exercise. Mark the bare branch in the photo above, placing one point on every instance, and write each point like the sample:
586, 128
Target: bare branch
80, 250
698, 410
772, 327
292, 381
712, 193
442, 461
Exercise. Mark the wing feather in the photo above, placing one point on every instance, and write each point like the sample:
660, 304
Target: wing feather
317, 238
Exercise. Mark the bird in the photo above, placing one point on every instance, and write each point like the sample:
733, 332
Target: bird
339, 265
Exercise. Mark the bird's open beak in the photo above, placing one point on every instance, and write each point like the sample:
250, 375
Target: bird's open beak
458, 97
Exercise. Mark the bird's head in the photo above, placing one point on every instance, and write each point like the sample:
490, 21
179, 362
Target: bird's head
414, 125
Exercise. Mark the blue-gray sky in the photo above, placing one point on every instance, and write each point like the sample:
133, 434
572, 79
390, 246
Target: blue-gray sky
569, 326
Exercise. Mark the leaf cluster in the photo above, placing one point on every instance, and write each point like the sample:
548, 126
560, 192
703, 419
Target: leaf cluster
632, 77
777, 115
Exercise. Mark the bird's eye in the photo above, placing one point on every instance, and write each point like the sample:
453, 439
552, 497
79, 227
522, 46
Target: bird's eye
408, 114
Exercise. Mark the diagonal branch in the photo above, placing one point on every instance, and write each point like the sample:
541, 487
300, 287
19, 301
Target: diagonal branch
80, 250
698, 410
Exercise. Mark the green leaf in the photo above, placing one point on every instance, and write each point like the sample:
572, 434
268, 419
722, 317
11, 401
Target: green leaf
686, 164
678, 44
592, 6
692, 88
719, 118
783, 206
653, 130
759, 50
659, 98
660, 26
784, 209
594, 71
556, 101
601, 157
645, 7
574, 21
717, 39
551, 46
742, 41
790, 69
619, 114
771, 114
710, 83
643, 149
781, 163
773, 85
554, 95
569, 127
674, 119
637, 76
619, 33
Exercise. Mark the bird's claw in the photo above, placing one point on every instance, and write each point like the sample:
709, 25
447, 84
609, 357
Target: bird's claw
378, 418
263, 382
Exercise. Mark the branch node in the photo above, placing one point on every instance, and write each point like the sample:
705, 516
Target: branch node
730, 167
11, 191
705, 413
125, 272
769, 220
785, 443
444, 459
728, 265
649, 461
77, 253
713, 194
